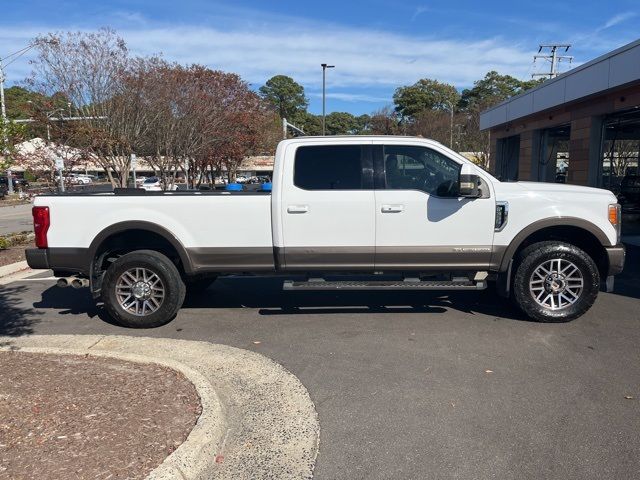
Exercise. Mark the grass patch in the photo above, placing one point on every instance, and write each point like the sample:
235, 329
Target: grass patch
15, 239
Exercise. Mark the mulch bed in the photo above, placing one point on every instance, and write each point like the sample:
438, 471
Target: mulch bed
12, 254
77, 417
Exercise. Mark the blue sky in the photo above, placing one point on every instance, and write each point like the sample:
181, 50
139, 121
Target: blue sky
376, 45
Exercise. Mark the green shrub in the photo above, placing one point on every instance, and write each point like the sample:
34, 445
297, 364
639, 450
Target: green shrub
4, 243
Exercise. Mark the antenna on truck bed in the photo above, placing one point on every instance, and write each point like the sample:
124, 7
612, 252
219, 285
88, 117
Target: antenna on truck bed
285, 125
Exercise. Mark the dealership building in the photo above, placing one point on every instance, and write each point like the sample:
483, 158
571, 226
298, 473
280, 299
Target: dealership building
582, 127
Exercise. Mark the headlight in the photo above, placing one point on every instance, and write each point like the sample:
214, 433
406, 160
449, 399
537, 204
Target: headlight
615, 218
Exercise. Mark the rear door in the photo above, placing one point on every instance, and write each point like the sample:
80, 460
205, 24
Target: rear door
327, 207
421, 223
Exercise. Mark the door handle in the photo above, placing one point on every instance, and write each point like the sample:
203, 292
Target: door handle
392, 208
297, 208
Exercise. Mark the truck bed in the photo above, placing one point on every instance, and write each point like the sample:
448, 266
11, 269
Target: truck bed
215, 228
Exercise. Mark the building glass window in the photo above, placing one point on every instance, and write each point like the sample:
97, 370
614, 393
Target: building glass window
508, 158
619, 167
553, 162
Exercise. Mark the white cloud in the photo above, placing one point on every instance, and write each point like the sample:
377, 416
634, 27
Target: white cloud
363, 57
617, 19
353, 97
418, 11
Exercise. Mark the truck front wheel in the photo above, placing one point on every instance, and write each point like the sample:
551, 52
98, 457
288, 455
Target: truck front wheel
555, 282
142, 289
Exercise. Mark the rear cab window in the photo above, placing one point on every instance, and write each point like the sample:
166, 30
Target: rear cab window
330, 167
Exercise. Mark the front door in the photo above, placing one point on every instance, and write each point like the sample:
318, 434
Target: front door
421, 223
327, 207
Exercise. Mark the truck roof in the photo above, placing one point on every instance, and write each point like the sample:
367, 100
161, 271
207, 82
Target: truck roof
329, 138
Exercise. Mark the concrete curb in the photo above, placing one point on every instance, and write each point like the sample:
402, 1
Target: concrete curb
257, 419
13, 268
20, 275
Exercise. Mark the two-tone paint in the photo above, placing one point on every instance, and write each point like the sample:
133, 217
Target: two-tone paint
296, 230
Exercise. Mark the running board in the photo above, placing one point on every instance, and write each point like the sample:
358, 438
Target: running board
318, 284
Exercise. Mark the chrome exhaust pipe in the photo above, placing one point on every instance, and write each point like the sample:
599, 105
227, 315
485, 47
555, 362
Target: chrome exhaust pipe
62, 282
79, 282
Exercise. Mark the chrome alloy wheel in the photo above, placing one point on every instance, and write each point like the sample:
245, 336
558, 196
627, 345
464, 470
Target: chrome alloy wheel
556, 284
139, 291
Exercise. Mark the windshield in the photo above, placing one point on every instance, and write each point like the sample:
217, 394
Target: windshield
151, 180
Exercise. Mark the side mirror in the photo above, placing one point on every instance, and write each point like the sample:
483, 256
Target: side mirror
469, 183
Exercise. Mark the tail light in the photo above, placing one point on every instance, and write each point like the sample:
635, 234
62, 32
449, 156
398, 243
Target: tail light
41, 224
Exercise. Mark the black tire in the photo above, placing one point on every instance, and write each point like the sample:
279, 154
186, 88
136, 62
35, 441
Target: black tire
536, 255
171, 281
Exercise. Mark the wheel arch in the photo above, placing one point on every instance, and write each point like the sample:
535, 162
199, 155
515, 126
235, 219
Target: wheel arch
126, 237
576, 231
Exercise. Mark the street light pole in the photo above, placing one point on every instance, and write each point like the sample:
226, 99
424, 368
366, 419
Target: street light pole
450, 124
324, 70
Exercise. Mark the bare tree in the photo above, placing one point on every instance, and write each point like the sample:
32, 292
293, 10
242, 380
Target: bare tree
89, 70
385, 122
190, 119
621, 155
473, 140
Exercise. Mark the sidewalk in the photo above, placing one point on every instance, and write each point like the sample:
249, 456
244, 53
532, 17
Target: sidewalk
257, 419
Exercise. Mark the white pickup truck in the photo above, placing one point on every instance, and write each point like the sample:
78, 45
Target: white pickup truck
396, 212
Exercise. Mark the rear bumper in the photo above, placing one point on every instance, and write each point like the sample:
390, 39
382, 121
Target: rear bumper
74, 260
616, 256
37, 258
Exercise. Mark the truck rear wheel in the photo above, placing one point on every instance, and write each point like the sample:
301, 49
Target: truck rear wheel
555, 282
142, 289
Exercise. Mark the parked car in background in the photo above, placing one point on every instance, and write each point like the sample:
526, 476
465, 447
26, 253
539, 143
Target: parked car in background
140, 180
79, 179
154, 184
241, 179
258, 179
17, 182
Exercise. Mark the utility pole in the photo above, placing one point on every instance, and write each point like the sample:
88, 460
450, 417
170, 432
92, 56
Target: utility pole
553, 57
4, 126
3, 109
324, 69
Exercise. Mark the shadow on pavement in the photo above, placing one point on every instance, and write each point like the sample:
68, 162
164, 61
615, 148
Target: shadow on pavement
15, 320
266, 295
628, 282
69, 301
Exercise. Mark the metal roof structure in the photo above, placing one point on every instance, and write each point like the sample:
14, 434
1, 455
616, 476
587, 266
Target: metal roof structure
615, 69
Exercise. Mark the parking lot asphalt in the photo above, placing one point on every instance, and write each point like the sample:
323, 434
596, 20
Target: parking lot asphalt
15, 219
411, 385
